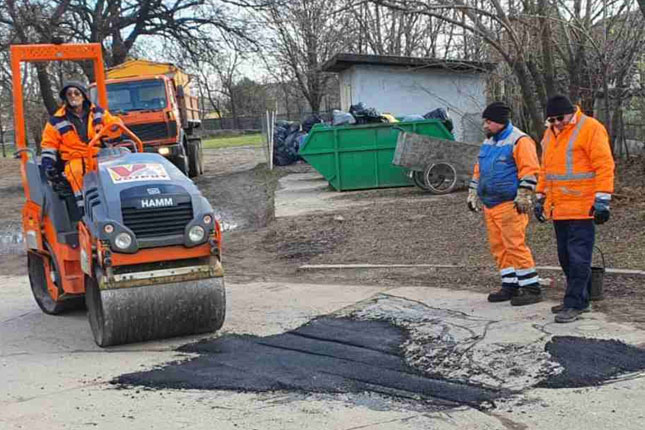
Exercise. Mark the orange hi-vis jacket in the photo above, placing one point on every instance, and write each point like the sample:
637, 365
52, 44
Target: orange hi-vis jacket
60, 136
577, 164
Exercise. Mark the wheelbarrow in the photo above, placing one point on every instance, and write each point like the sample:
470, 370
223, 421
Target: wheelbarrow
435, 165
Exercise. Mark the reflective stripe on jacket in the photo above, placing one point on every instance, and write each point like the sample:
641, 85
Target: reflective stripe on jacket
497, 176
60, 136
576, 164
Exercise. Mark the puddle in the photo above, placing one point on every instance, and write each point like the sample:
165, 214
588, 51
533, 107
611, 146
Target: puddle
227, 221
11, 242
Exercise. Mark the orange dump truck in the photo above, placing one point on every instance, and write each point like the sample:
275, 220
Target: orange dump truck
155, 101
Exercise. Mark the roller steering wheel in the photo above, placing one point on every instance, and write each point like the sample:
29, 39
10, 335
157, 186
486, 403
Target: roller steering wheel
113, 131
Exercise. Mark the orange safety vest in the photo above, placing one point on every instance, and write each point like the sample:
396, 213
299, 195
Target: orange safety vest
60, 136
576, 164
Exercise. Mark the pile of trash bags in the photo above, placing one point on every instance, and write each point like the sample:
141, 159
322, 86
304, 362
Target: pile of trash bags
288, 137
285, 143
359, 114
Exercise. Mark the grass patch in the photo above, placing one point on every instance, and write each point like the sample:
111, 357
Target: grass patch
225, 142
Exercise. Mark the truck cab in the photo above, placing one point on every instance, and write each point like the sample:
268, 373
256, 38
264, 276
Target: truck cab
154, 101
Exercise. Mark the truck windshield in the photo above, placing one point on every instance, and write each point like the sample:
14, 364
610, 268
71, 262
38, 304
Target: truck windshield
135, 95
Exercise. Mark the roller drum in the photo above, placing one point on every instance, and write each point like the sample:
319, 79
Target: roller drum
136, 314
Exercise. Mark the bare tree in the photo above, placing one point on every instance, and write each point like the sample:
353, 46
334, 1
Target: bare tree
304, 34
495, 26
117, 25
35, 22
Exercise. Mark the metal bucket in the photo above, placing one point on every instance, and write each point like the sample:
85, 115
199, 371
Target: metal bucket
597, 277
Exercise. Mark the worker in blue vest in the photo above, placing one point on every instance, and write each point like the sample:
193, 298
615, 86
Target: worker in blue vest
503, 182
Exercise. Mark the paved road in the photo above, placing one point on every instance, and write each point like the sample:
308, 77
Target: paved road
53, 376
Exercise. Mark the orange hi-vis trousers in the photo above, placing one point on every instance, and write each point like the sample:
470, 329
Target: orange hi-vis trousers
75, 170
506, 236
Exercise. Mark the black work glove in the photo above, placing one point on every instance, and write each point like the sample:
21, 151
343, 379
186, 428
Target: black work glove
49, 166
600, 209
538, 208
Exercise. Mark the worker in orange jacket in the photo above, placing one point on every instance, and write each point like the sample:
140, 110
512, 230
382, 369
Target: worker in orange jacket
67, 134
575, 185
504, 180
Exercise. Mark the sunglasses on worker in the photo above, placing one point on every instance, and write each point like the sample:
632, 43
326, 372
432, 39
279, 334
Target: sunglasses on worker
74, 93
555, 118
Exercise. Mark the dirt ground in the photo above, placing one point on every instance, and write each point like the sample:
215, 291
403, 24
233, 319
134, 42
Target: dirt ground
414, 228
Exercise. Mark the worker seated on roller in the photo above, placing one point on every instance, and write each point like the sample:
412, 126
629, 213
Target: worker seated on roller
67, 134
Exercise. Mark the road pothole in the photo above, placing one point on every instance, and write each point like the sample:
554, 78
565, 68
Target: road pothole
588, 362
327, 355
399, 348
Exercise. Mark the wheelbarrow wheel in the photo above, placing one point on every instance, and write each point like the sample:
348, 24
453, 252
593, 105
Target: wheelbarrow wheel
440, 178
417, 178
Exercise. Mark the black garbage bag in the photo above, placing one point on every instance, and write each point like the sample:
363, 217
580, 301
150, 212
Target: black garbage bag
364, 115
281, 131
442, 115
285, 143
310, 121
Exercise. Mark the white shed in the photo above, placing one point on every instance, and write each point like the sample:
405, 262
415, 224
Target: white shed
411, 85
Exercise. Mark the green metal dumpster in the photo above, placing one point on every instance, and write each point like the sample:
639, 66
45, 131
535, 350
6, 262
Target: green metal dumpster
357, 157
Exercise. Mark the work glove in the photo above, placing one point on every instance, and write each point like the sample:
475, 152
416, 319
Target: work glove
538, 209
600, 209
523, 200
474, 204
51, 173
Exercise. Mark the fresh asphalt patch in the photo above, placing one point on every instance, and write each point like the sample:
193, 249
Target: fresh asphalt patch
327, 355
352, 355
587, 362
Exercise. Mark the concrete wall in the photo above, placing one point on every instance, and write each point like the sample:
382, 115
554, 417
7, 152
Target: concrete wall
402, 91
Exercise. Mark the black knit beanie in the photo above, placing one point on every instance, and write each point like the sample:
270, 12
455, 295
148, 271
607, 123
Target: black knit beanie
497, 112
559, 105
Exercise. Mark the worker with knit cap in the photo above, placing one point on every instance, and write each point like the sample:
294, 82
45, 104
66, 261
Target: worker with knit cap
575, 184
503, 183
67, 134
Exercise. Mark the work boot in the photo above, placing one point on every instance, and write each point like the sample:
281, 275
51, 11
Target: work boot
561, 307
568, 315
502, 295
527, 296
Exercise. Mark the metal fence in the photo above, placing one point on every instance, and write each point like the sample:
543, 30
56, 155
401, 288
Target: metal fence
257, 122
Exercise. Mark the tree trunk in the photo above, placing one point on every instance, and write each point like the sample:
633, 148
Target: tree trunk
236, 120
608, 121
46, 88
540, 85
4, 152
547, 49
530, 101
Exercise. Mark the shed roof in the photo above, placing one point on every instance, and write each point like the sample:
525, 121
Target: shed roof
340, 62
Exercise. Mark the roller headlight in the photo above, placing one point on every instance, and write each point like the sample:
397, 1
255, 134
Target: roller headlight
123, 241
196, 233
164, 150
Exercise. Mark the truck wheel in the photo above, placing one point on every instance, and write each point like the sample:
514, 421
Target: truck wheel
193, 158
201, 158
182, 161
40, 270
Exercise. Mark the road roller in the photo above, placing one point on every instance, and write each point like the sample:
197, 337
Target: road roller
143, 254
